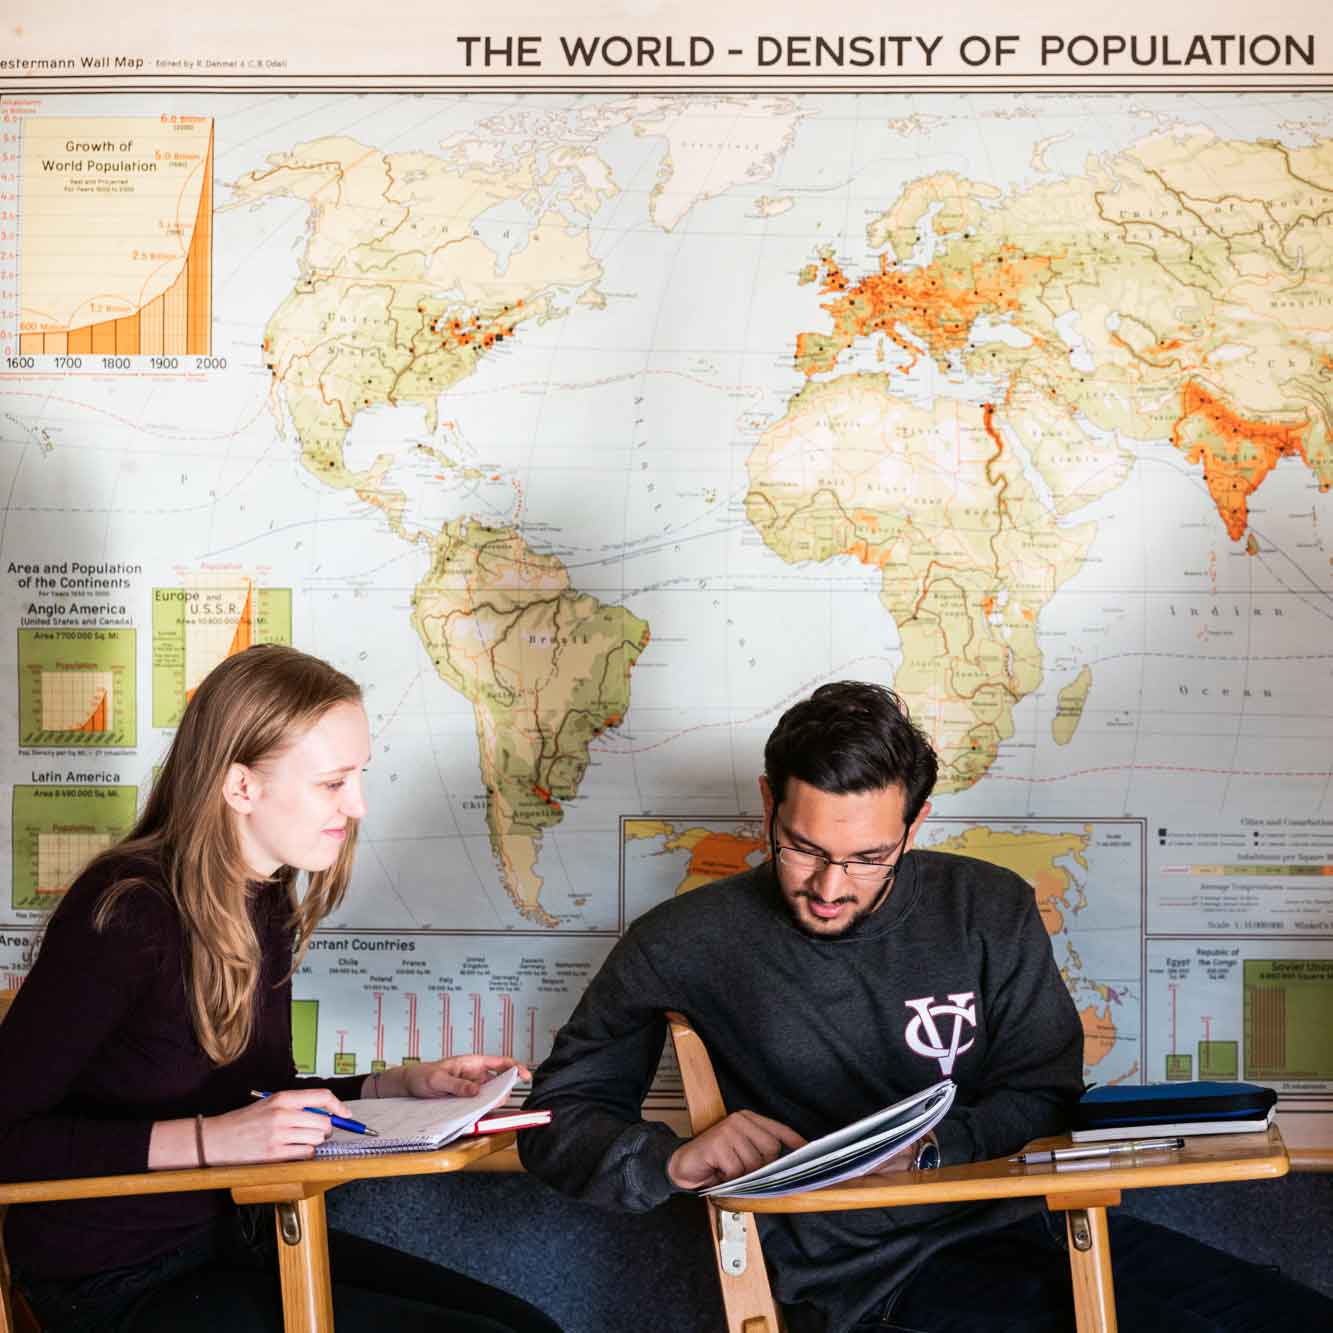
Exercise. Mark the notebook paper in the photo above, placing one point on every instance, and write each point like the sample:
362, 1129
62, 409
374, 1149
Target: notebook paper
407, 1124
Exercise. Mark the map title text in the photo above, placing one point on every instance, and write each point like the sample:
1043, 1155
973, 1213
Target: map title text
1111, 52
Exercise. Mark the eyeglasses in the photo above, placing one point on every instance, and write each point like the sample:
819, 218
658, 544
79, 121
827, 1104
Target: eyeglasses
809, 864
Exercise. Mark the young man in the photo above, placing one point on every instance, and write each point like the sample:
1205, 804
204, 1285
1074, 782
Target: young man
845, 973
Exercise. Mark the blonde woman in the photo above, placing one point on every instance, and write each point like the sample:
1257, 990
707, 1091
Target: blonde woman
162, 995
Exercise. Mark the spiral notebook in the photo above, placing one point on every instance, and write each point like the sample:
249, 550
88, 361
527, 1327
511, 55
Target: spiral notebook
415, 1124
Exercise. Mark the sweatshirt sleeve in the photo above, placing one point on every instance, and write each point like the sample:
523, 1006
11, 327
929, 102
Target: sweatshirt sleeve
1034, 1072
598, 1147
345, 1087
80, 990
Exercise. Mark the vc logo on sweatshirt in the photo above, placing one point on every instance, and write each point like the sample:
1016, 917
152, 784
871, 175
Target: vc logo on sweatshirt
923, 1032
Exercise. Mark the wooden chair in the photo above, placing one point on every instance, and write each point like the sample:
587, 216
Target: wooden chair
1082, 1195
746, 1294
296, 1189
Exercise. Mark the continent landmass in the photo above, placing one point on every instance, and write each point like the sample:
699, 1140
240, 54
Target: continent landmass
1176, 293
366, 325
1032, 856
714, 854
935, 306
968, 552
1099, 1033
546, 669
399, 300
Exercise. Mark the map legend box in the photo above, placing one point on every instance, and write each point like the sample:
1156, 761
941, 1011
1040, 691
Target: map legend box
76, 688
57, 831
210, 617
1287, 1030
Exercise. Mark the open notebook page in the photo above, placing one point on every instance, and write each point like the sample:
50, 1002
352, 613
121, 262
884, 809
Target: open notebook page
406, 1123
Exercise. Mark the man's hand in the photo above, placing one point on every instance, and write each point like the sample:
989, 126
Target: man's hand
742, 1142
903, 1160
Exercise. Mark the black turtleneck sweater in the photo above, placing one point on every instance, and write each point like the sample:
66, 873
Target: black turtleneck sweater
98, 1045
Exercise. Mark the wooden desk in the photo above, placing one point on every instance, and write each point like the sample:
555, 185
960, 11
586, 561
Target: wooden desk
1311, 1159
296, 1189
1082, 1190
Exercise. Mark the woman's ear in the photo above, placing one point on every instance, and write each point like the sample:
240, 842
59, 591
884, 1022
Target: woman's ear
240, 787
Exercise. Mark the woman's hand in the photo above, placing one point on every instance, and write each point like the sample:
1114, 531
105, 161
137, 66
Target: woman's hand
276, 1129
458, 1076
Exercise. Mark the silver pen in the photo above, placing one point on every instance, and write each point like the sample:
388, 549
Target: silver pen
1098, 1150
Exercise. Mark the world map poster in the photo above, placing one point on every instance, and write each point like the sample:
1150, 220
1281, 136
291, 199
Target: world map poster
590, 431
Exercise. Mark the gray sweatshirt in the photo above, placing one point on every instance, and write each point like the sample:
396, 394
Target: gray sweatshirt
952, 977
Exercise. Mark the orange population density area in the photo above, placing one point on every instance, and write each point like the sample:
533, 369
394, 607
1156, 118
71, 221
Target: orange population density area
242, 638
716, 856
97, 718
938, 303
723, 854
1237, 454
1050, 887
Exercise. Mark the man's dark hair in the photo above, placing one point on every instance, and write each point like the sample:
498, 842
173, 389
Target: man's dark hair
850, 736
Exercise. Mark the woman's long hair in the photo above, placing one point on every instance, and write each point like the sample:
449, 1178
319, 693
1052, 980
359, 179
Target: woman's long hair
245, 710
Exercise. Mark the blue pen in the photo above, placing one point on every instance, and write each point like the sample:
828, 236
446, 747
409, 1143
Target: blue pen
352, 1126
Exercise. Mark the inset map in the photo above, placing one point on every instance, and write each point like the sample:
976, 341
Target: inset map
1088, 877
666, 856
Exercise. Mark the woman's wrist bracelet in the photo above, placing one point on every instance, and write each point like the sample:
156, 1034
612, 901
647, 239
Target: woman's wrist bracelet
199, 1139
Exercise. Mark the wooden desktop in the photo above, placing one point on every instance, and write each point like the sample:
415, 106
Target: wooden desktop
1082, 1190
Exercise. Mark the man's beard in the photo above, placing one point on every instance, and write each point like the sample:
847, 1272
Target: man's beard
809, 930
